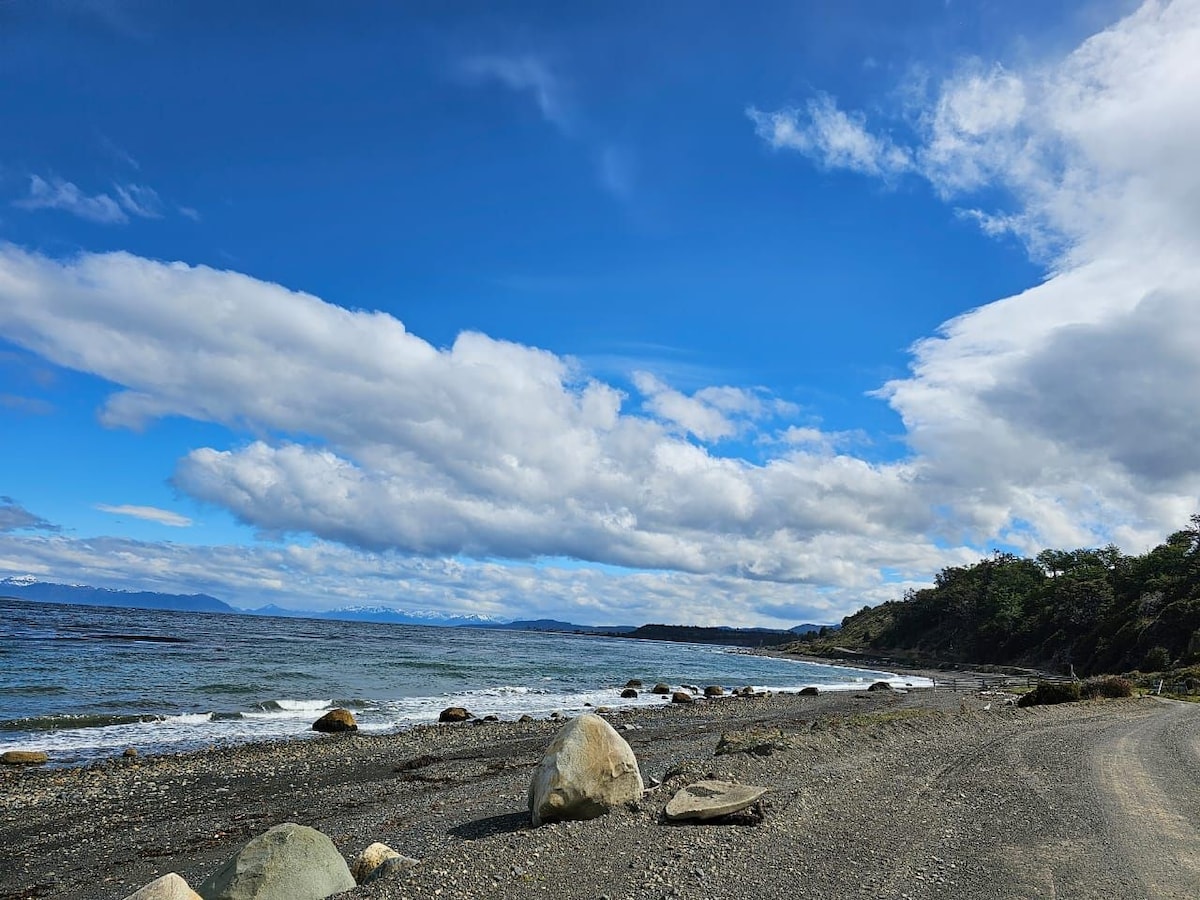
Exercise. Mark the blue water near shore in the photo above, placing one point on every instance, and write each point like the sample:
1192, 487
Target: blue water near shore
86, 682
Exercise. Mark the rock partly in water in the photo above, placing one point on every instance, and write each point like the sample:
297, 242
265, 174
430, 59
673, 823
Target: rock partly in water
169, 887
712, 799
714, 690
633, 683
629, 693
661, 688
587, 770
24, 757
287, 862
682, 697
336, 720
374, 857
809, 691
454, 714
880, 686
747, 691
130, 752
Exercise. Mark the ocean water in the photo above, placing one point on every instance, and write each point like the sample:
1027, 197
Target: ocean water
85, 682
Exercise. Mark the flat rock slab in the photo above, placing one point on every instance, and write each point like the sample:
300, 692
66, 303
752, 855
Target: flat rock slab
712, 799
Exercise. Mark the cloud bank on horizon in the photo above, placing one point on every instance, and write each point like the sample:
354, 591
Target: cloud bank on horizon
498, 477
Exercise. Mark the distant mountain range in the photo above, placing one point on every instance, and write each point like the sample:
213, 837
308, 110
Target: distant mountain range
29, 588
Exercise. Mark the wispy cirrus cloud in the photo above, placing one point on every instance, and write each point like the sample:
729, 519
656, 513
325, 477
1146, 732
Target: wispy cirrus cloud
526, 74
534, 76
65, 196
147, 513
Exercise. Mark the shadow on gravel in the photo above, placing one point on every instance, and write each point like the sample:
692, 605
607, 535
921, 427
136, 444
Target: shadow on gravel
492, 825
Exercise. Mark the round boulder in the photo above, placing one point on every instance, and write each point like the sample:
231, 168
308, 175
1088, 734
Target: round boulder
633, 683
747, 691
454, 714
682, 697
287, 862
661, 688
629, 694
714, 690
336, 720
880, 686
372, 858
587, 770
809, 691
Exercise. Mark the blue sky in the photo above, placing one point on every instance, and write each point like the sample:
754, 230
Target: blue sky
624, 312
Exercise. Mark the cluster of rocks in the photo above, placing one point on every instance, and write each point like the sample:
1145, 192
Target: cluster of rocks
287, 862
587, 770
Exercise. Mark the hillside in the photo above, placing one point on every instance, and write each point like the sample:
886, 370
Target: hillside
1097, 610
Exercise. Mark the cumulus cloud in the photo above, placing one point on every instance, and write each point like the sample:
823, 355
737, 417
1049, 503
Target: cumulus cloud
55, 193
14, 517
148, 513
486, 448
1065, 415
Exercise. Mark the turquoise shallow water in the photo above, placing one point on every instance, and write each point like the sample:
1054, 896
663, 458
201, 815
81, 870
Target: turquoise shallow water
84, 682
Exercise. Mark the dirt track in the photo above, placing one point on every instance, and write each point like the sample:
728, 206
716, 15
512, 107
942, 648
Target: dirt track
905, 796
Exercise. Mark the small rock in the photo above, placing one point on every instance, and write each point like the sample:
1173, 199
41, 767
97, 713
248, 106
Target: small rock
454, 714
130, 753
491, 718
371, 859
712, 799
389, 867
336, 720
628, 694
714, 690
682, 697
747, 691
525, 717
809, 691
661, 688
169, 887
24, 757
633, 683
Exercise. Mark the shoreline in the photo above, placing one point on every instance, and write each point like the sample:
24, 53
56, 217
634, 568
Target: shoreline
154, 735
846, 772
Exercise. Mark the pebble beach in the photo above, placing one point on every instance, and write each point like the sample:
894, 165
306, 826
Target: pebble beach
870, 794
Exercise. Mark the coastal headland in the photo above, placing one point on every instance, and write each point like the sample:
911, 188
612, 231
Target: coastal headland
870, 795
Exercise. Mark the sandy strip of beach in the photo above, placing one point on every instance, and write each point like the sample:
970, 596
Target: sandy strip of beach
871, 795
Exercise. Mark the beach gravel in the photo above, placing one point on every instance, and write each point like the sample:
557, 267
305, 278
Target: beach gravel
883, 795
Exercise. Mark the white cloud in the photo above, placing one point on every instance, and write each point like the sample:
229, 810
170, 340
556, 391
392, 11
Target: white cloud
65, 196
55, 193
149, 513
1062, 415
525, 74
487, 448
322, 576
832, 138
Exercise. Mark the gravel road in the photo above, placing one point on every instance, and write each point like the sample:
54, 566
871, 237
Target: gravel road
917, 795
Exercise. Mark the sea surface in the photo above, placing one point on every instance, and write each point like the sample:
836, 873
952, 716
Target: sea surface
85, 683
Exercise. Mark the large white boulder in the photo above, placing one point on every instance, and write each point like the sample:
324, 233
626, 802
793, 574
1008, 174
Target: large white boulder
588, 769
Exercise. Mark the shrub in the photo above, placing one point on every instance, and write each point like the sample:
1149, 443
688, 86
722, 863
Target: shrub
1157, 659
1048, 692
1110, 687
